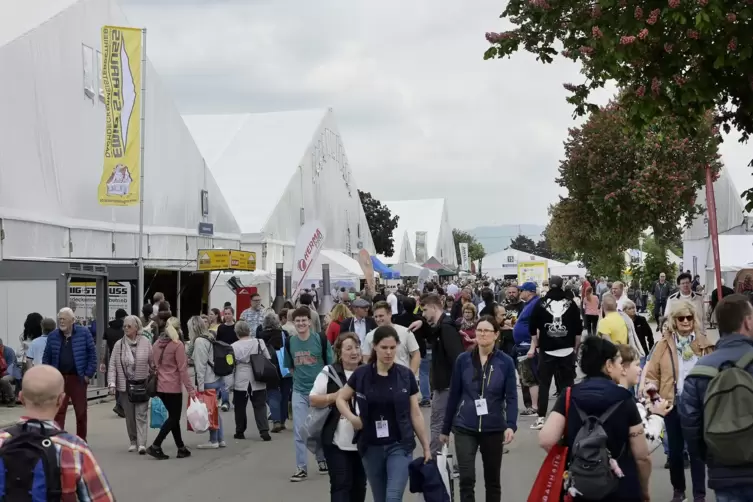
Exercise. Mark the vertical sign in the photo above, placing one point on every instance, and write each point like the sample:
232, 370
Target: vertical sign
421, 256
464, 261
310, 241
121, 82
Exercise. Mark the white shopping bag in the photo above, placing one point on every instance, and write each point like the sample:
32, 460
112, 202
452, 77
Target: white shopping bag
445, 465
198, 416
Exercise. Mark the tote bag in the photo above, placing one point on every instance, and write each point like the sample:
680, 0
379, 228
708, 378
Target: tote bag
549, 481
318, 416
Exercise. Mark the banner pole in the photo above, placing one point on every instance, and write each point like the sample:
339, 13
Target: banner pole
141, 172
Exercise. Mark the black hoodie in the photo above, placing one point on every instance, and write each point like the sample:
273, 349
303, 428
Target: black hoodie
557, 321
446, 346
113, 333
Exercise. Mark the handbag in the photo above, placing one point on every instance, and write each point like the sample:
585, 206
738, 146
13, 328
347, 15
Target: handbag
135, 389
263, 369
317, 417
151, 380
549, 481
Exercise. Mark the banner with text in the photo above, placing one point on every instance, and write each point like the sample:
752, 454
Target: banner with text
310, 241
121, 82
85, 296
532, 271
421, 255
464, 261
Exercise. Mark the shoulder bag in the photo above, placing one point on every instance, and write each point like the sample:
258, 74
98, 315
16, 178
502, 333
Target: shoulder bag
136, 390
263, 369
151, 380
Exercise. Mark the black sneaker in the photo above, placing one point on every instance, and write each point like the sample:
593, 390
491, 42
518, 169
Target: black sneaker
529, 412
323, 469
184, 452
265, 436
239, 435
300, 475
119, 411
156, 452
666, 464
277, 428
425, 403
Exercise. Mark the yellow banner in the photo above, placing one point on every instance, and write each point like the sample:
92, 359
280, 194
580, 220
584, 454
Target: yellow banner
226, 259
533, 271
121, 81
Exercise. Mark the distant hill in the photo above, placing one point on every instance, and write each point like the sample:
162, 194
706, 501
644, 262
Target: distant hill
498, 237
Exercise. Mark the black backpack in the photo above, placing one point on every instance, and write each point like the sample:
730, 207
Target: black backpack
589, 471
223, 357
29, 469
322, 339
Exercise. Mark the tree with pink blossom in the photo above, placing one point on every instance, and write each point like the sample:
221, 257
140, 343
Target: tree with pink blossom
681, 58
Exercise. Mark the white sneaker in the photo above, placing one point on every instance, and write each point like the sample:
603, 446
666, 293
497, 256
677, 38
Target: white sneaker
223, 444
142, 450
208, 446
539, 424
132, 448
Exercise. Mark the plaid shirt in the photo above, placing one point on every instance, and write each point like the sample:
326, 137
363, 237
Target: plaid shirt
253, 317
82, 478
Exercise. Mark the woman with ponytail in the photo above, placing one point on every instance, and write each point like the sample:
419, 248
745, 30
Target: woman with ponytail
482, 410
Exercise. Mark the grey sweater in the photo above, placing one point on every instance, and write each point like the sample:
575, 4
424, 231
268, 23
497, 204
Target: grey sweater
203, 352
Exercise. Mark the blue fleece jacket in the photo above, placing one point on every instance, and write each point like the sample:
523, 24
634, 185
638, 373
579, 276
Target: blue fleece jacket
84, 352
522, 329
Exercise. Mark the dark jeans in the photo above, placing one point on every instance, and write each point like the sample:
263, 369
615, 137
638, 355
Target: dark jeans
560, 368
279, 399
75, 392
347, 479
174, 405
491, 446
258, 403
526, 391
591, 322
740, 494
676, 462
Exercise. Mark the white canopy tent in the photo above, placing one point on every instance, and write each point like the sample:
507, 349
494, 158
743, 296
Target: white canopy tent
505, 262
52, 142
410, 269
568, 271
341, 266
221, 292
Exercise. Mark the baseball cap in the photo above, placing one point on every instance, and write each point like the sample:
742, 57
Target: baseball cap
528, 286
555, 281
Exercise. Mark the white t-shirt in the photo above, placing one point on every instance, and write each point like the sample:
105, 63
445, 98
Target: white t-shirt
344, 432
408, 345
392, 300
621, 302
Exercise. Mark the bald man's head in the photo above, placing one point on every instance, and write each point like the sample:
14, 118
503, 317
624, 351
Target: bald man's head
609, 302
42, 389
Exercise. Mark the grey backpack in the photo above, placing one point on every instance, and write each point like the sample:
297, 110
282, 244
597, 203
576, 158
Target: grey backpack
589, 471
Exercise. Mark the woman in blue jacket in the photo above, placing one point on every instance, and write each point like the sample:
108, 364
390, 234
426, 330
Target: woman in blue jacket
482, 410
386, 395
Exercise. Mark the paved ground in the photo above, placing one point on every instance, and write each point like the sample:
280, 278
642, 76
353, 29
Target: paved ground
262, 469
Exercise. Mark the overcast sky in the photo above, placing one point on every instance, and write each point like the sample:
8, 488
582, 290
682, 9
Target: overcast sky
421, 114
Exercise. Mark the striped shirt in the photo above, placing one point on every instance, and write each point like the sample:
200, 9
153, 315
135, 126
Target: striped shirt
82, 480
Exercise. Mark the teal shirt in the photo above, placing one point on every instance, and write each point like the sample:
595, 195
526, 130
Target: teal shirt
307, 361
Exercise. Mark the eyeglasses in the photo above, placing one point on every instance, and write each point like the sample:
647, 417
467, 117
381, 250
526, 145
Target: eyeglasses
485, 331
683, 318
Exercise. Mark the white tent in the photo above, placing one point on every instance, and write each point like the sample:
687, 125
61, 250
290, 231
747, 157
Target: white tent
278, 170
52, 124
505, 262
731, 219
568, 270
409, 269
418, 216
735, 254
341, 266
221, 292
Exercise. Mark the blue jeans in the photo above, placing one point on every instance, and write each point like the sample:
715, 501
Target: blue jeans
387, 471
676, 459
739, 494
423, 376
278, 400
300, 412
216, 436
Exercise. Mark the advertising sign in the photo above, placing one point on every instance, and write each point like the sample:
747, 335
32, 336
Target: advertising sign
464, 261
225, 259
532, 271
310, 241
121, 82
85, 296
421, 256
364, 259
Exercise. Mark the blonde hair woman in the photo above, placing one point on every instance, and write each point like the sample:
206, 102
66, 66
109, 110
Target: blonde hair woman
174, 323
129, 366
674, 356
205, 376
337, 315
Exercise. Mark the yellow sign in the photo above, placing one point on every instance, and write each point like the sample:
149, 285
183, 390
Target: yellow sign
226, 259
533, 271
121, 82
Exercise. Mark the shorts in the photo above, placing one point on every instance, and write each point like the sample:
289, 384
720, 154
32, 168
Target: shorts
527, 374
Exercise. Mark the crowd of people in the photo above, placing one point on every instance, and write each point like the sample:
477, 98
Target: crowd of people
354, 382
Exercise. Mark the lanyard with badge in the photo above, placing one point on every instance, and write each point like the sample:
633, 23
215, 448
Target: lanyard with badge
382, 425
481, 407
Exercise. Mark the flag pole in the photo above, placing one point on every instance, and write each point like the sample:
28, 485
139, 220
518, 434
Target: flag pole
141, 171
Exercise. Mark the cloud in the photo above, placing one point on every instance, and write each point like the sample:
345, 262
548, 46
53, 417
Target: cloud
421, 113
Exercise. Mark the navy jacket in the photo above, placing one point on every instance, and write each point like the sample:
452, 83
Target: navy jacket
522, 329
729, 348
84, 352
364, 377
425, 478
500, 391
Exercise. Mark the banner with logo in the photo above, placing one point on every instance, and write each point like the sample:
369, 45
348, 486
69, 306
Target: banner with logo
464, 261
307, 247
364, 259
533, 271
85, 296
421, 255
121, 83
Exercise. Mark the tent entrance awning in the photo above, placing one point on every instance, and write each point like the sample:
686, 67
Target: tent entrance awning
441, 269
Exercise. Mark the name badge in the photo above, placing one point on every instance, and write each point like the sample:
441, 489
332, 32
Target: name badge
382, 429
481, 408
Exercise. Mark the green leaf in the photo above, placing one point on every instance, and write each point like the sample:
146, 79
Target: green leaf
719, 62
698, 20
490, 53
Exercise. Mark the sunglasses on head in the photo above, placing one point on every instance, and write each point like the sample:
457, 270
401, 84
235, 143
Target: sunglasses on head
683, 318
